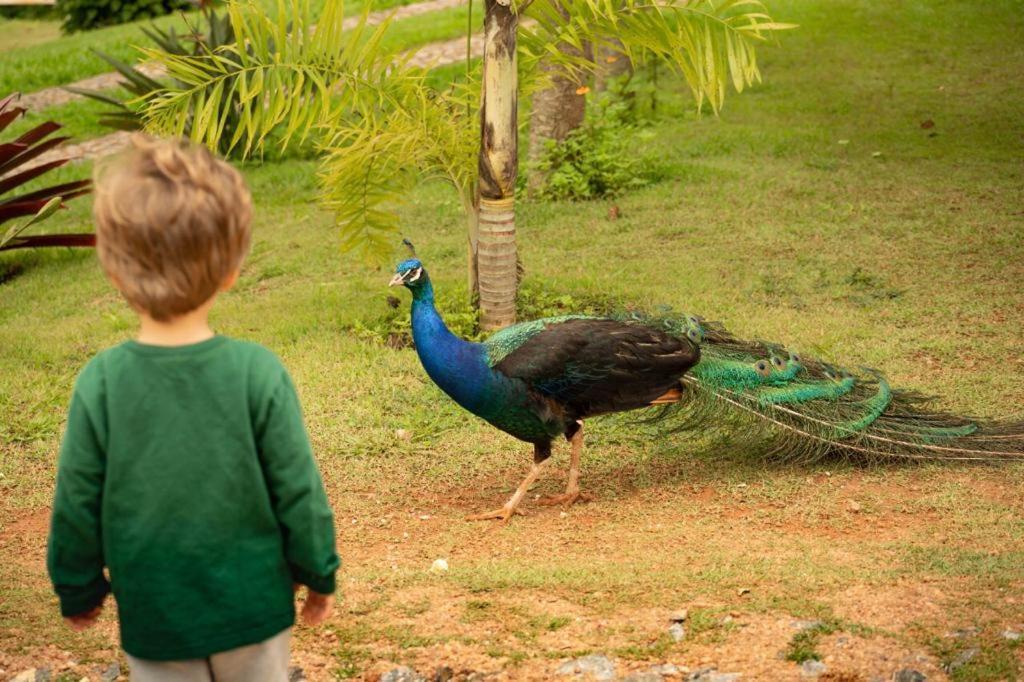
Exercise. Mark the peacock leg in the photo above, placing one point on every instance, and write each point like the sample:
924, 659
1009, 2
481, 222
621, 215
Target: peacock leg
511, 508
572, 489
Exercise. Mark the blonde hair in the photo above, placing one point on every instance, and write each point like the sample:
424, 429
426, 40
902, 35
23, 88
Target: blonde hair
172, 224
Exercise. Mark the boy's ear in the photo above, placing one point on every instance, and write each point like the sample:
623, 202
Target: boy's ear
230, 280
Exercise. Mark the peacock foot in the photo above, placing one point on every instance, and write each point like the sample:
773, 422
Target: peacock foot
503, 514
568, 499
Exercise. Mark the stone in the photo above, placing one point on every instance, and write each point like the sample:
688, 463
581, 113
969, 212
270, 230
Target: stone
598, 666
908, 675
1012, 635
806, 624
812, 668
25, 676
677, 632
712, 675
439, 566
296, 674
679, 616
643, 677
962, 659
112, 672
443, 674
402, 674
665, 669
963, 633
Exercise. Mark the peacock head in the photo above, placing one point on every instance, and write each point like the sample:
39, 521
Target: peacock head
410, 274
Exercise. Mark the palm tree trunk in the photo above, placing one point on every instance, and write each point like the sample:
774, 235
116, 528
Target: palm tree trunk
609, 63
496, 243
557, 111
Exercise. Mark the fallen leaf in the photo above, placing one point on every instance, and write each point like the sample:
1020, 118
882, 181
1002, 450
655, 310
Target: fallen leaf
582, 90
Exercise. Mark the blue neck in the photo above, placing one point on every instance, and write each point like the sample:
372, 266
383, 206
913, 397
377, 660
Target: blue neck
459, 367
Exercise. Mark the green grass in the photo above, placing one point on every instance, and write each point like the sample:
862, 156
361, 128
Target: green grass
910, 262
22, 33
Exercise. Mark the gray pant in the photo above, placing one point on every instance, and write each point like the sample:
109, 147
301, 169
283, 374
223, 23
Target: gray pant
265, 661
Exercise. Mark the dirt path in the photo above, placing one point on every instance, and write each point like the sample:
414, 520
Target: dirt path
761, 574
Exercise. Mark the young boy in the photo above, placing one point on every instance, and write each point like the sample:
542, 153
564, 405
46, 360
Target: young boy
185, 469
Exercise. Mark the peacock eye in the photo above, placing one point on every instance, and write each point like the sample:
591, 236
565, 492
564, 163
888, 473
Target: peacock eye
763, 368
694, 335
415, 274
693, 320
778, 362
795, 357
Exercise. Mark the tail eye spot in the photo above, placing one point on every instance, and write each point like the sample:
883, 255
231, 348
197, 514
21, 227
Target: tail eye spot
763, 368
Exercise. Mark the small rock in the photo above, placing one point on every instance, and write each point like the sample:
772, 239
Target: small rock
643, 677
563, 515
598, 666
963, 633
854, 506
402, 674
25, 676
665, 669
727, 620
1012, 635
812, 668
908, 675
677, 632
962, 659
844, 142
742, 591
112, 672
712, 675
876, 154
806, 624
296, 674
679, 616
443, 674
424, 517
403, 434
439, 566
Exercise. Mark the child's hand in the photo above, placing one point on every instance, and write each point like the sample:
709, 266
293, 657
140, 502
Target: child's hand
318, 607
84, 620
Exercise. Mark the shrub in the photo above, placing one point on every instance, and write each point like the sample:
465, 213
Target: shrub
598, 159
85, 15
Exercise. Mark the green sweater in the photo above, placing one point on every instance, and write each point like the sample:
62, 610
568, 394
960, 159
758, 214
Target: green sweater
187, 472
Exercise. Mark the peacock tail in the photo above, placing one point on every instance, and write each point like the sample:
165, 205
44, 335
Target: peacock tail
812, 409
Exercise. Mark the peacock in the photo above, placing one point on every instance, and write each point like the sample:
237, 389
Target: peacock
539, 380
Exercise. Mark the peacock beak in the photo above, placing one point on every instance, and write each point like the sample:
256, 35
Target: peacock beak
396, 280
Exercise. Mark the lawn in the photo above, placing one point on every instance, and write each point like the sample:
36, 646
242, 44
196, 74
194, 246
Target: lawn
822, 209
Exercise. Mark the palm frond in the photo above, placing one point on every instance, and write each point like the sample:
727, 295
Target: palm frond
711, 44
280, 75
385, 143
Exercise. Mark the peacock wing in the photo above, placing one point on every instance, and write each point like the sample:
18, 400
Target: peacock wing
595, 366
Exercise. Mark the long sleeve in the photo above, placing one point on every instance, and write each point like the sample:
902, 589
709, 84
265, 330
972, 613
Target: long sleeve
296, 491
75, 548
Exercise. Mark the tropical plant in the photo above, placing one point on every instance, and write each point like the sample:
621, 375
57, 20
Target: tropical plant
85, 15
17, 170
383, 128
126, 113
